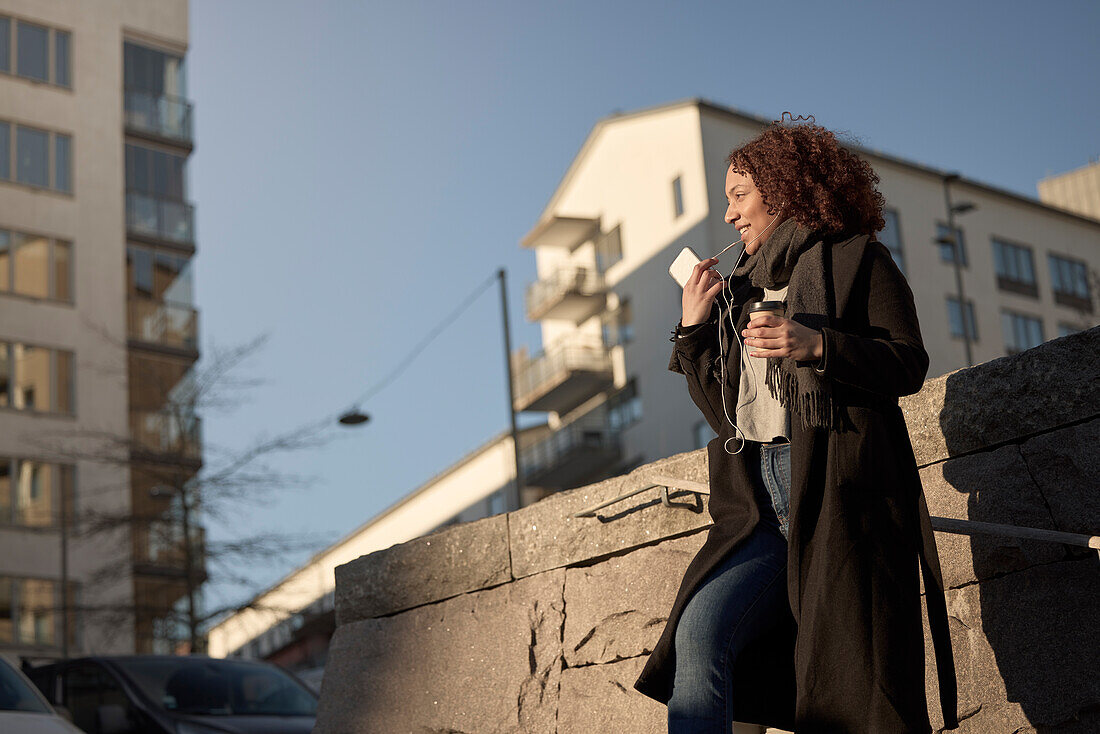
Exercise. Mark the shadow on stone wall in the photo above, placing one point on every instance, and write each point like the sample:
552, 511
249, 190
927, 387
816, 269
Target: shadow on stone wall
1024, 617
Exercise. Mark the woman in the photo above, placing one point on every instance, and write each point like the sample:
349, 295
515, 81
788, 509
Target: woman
802, 609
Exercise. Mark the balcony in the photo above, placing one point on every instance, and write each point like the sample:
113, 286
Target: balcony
165, 435
162, 324
159, 550
159, 218
572, 294
565, 232
160, 116
579, 453
563, 378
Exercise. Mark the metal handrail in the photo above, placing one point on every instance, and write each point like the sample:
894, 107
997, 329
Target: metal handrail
942, 524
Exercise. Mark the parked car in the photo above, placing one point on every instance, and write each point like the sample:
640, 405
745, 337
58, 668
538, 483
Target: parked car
23, 708
167, 694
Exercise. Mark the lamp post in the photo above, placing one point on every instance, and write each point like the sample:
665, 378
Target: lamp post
952, 239
355, 417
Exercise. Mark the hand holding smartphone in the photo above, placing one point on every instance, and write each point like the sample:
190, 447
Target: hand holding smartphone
701, 285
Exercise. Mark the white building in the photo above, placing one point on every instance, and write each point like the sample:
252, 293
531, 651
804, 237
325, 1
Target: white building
96, 238
643, 186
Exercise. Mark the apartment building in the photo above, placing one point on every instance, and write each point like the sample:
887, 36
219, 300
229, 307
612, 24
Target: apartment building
648, 183
97, 324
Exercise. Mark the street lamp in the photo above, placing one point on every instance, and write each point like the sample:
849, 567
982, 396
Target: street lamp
951, 238
354, 417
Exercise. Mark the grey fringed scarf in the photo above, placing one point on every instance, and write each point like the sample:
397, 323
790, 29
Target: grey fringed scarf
796, 256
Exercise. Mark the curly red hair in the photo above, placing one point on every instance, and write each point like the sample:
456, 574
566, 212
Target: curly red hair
802, 168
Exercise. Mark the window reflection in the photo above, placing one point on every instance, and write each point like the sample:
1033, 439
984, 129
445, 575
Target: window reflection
34, 497
32, 156
32, 44
32, 260
36, 611
32, 377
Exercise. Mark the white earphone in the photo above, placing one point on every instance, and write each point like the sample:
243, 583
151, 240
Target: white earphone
740, 343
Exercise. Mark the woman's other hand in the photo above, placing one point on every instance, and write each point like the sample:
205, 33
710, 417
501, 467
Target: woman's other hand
775, 336
702, 287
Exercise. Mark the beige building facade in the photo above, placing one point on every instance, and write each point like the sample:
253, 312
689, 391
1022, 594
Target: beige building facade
96, 237
1077, 191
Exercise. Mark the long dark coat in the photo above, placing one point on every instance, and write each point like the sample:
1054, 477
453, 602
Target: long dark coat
850, 656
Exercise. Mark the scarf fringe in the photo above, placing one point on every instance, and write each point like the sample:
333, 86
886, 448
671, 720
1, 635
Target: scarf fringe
816, 409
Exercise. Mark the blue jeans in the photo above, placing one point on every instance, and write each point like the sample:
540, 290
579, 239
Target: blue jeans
739, 600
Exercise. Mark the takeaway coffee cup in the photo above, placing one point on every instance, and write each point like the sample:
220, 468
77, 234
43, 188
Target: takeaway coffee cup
775, 308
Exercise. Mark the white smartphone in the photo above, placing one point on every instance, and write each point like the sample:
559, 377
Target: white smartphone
683, 265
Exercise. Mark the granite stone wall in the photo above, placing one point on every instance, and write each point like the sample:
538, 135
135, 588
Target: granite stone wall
537, 621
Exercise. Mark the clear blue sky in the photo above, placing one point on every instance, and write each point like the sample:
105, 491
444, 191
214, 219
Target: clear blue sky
361, 167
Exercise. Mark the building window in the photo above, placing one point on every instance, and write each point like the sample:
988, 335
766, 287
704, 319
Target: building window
947, 249
35, 266
158, 274
891, 237
609, 249
1015, 268
955, 319
703, 433
677, 197
36, 378
624, 408
28, 611
1020, 332
155, 92
1069, 279
616, 326
5, 45
30, 54
42, 159
31, 492
32, 51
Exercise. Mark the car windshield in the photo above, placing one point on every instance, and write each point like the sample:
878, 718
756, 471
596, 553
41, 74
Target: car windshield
219, 687
16, 694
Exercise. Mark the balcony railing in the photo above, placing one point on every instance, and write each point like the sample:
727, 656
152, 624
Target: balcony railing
572, 455
569, 293
161, 115
165, 324
564, 377
164, 548
164, 219
167, 435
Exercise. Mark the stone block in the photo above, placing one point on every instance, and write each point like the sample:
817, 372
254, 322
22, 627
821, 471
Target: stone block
546, 535
453, 561
1066, 466
1006, 398
601, 698
1025, 648
617, 608
988, 486
488, 661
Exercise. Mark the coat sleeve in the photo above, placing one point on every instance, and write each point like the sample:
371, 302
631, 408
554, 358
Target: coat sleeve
890, 360
692, 356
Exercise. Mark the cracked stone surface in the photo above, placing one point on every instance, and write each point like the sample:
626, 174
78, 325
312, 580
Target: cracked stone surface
954, 414
453, 561
1065, 462
545, 535
601, 698
489, 661
1025, 649
617, 608
989, 486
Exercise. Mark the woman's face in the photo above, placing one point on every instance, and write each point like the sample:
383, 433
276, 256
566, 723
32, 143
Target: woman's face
747, 210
